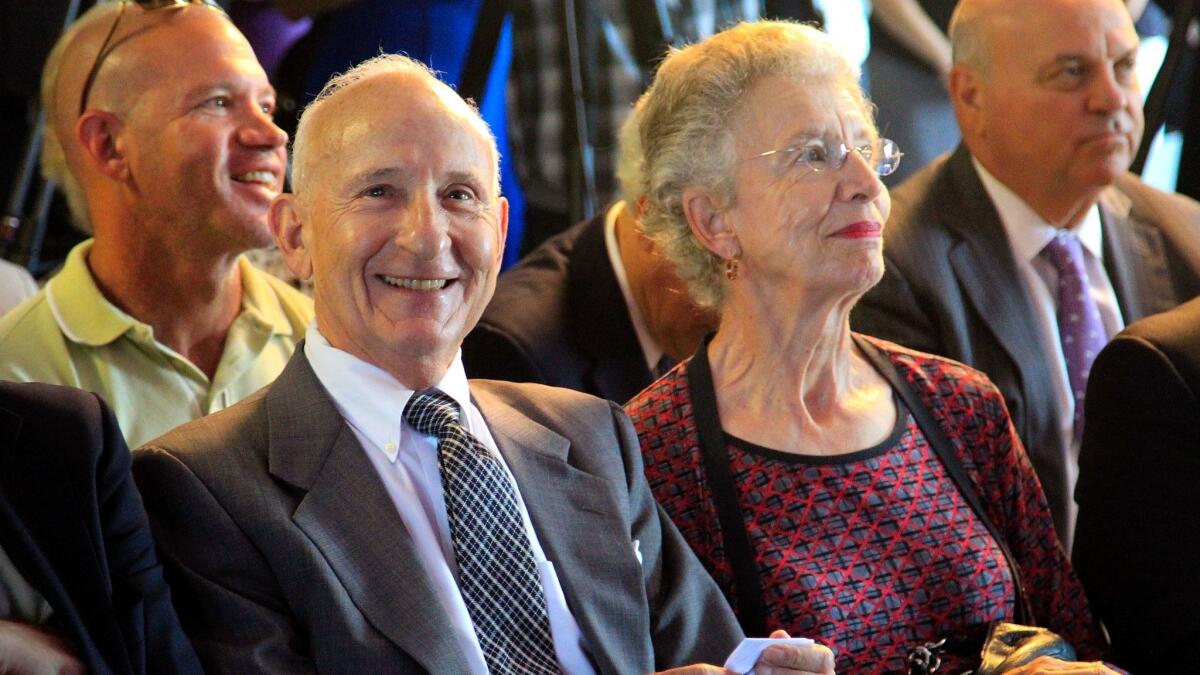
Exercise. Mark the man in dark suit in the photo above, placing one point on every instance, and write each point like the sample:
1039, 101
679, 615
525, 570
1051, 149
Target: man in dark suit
1137, 547
80, 585
1049, 108
595, 309
372, 511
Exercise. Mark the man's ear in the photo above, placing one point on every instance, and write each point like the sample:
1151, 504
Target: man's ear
286, 219
966, 93
502, 223
710, 224
97, 132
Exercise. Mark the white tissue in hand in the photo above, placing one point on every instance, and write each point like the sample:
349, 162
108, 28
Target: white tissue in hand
743, 658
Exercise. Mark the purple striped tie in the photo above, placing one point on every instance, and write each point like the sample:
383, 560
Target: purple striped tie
1079, 325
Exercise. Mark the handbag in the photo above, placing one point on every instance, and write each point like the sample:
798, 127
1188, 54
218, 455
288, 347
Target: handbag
1006, 646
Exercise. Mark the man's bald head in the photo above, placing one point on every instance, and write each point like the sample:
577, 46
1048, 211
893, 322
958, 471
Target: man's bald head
316, 137
975, 24
968, 32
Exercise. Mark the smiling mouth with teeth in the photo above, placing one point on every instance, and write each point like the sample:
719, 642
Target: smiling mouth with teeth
260, 177
415, 284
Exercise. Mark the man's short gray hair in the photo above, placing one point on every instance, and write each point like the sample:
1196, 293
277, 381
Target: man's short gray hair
969, 41
686, 127
384, 64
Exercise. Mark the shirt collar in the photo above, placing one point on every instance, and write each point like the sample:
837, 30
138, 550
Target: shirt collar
1027, 232
83, 314
368, 397
650, 349
260, 302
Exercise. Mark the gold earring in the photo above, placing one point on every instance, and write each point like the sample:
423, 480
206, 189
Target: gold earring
731, 269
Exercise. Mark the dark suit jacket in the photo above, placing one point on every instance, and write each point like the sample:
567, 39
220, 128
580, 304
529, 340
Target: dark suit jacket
287, 555
951, 287
559, 318
73, 525
1137, 544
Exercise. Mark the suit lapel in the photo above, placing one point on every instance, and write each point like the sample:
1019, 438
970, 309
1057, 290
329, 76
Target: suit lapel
601, 319
983, 263
575, 519
348, 515
1135, 259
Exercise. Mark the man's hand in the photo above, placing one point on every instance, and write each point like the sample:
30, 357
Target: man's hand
36, 650
781, 660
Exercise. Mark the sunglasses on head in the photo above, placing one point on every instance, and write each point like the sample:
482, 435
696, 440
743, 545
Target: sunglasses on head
108, 45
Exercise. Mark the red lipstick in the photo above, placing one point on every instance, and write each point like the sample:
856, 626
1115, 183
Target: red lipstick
865, 229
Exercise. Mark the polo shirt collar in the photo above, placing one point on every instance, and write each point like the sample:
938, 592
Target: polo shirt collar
86, 317
260, 302
83, 314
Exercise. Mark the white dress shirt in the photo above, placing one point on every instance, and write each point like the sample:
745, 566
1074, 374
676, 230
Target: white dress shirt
372, 403
19, 600
650, 349
1027, 235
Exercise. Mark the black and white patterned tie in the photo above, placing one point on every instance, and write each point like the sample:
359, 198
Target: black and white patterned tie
497, 574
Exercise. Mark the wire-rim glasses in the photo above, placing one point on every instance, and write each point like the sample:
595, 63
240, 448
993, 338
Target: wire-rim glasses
108, 45
820, 156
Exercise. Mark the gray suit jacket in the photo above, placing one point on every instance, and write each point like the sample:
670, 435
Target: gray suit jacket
285, 553
951, 287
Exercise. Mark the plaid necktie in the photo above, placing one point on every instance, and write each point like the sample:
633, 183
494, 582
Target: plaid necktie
497, 574
1080, 328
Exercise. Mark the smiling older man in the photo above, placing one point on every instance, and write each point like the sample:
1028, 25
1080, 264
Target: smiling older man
372, 511
160, 129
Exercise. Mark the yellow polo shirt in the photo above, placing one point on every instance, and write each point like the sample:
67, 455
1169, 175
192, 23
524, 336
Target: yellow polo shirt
70, 334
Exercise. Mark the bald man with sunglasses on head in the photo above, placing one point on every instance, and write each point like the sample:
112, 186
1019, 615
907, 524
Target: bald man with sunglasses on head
159, 129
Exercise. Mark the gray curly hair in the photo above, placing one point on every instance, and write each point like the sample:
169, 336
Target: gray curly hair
686, 128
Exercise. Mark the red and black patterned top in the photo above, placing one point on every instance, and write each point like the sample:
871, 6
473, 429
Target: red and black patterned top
877, 551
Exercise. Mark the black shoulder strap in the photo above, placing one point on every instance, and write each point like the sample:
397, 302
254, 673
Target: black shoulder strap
482, 52
752, 613
941, 447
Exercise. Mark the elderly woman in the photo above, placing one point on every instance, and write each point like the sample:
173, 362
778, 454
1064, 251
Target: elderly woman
837, 486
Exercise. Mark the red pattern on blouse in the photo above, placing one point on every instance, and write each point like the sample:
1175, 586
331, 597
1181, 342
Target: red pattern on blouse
877, 551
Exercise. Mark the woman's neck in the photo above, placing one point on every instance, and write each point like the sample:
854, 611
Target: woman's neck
793, 381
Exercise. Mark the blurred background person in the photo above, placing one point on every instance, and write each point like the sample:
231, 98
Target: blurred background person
597, 308
841, 487
909, 69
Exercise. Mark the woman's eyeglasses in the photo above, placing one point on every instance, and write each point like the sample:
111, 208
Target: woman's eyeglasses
819, 156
